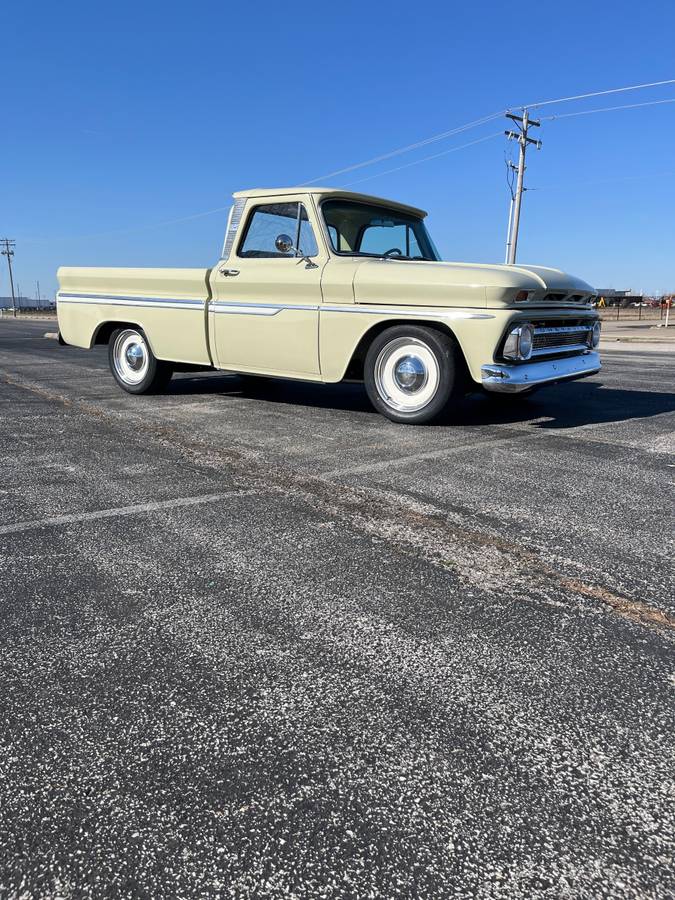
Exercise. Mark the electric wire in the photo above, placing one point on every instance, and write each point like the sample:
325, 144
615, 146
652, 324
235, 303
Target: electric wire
133, 229
416, 162
632, 87
588, 112
417, 145
400, 150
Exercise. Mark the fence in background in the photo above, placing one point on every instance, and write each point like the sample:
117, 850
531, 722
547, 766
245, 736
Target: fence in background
646, 313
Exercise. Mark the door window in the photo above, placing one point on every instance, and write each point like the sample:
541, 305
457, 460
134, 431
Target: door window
267, 222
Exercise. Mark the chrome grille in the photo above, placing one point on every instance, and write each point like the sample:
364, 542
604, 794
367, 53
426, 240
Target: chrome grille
560, 339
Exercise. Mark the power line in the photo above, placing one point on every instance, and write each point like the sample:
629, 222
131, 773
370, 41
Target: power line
477, 122
423, 143
620, 90
408, 148
588, 112
223, 208
427, 158
523, 140
134, 229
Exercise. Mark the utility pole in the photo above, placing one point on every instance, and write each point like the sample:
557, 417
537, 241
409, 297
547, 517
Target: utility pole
9, 253
39, 300
510, 167
524, 123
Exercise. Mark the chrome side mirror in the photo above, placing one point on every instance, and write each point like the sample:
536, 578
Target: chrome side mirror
284, 243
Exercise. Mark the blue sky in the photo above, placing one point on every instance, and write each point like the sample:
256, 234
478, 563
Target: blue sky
118, 117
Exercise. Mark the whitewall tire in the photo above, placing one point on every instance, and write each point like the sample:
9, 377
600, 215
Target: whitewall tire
413, 373
134, 365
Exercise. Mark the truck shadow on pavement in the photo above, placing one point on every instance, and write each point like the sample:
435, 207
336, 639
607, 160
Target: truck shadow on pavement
561, 406
569, 406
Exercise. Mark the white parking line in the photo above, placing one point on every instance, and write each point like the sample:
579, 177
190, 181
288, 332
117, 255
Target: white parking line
440, 453
52, 521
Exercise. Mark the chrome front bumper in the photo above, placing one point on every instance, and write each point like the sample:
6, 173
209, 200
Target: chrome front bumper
511, 379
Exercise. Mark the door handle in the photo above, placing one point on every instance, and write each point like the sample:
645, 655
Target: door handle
225, 271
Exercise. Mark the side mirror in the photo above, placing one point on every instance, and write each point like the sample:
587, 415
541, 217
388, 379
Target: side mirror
284, 243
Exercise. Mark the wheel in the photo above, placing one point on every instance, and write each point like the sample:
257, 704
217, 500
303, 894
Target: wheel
134, 365
413, 374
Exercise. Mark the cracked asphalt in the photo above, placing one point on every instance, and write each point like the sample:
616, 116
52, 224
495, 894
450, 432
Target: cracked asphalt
258, 642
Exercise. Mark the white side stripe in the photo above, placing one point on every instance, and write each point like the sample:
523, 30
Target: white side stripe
133, 301
267, 309
427, 312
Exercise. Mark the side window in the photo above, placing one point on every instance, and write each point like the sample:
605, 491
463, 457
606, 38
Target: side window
268, 221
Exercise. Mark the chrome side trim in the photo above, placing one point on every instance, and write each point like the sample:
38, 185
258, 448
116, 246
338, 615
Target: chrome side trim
114, 300
440, 313
244, 309
256, 309
507, 379
263, 309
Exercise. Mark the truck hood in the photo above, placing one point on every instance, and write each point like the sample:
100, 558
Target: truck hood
417, 283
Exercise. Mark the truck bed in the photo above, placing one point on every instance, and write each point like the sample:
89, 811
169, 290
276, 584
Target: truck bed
170, 305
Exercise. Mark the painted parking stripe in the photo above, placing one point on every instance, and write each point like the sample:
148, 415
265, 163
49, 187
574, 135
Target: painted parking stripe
74, 518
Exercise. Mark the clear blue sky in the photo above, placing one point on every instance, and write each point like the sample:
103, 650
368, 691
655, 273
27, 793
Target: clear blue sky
124, 115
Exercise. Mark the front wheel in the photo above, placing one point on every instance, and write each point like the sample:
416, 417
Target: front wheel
134, 365
413, 374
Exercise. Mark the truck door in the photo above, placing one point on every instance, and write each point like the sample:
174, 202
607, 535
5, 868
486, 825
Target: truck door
264, 313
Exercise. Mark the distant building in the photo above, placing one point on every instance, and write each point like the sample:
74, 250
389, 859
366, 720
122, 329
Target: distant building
27, 303
618, 298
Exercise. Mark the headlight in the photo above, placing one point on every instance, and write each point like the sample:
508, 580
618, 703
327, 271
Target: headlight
594, 335
519, 342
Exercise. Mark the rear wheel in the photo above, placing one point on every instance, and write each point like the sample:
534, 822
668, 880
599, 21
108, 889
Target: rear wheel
134, 365
413, 374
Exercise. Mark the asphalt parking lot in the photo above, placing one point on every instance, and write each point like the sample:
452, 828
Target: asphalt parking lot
257, 641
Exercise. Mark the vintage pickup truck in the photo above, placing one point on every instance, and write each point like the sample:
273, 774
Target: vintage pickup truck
328, 285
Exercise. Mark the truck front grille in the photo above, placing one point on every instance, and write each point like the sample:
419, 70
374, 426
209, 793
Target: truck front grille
552, 339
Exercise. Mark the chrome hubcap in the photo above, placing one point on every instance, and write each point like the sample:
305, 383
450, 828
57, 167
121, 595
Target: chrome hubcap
407, 374
410, 374
130, 356
135, 356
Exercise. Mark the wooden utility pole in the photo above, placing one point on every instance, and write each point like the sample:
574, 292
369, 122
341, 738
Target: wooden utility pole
524, 123
9, 253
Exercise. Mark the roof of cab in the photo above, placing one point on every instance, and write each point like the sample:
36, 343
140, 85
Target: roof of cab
324, 192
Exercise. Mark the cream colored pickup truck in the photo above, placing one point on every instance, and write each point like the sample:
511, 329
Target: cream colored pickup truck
328, 285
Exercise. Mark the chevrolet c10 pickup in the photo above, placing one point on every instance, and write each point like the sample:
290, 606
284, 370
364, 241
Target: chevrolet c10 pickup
328, 285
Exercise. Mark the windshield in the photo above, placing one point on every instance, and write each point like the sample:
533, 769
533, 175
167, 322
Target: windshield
362, 229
